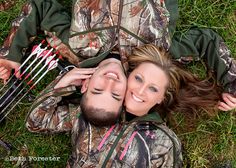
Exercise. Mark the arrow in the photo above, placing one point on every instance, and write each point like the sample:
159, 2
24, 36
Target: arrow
39, 63
51, 65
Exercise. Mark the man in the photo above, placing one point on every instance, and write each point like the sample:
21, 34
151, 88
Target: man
103, 90
96, 28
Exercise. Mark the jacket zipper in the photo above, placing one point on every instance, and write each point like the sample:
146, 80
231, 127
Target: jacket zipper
114, 146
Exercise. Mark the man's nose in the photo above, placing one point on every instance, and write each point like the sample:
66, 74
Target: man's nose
110, 83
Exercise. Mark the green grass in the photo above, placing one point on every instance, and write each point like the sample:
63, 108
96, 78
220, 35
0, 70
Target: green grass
219, 15
207, 141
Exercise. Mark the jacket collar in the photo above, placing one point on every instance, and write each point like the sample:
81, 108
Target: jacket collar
153, 117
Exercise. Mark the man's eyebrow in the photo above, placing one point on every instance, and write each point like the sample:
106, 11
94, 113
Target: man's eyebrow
99, 90
95, 92
118, 99
113, 96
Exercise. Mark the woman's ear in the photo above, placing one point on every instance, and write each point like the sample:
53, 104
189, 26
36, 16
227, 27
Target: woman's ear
159, 101
84, 87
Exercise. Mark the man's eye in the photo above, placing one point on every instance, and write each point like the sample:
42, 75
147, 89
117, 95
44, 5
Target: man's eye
153, 89
138, 78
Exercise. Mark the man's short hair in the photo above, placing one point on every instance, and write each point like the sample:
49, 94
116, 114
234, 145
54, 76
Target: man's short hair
98, 116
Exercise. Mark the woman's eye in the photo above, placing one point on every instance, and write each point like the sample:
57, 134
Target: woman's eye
137, 78
153, 89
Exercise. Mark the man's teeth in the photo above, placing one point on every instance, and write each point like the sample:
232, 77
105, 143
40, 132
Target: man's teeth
111, 74
136, 98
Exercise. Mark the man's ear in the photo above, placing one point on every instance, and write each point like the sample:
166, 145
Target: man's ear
84, 87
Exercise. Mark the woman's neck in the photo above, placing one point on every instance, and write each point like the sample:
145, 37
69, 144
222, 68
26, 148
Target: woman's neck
129, 116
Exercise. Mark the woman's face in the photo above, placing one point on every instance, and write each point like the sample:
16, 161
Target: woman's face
146, 87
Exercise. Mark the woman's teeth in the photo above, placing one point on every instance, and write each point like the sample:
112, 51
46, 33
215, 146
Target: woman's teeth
136, 98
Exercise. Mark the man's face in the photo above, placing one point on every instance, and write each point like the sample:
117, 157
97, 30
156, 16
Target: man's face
107, 86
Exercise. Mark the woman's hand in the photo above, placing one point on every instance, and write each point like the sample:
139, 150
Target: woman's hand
75, 77
228, 103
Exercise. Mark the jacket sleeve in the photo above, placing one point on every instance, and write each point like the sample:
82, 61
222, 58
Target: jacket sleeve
165, 149
43, 15
172, 6
47, 115
197, 44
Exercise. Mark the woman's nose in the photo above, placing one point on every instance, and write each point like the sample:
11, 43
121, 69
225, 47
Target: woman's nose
141, 90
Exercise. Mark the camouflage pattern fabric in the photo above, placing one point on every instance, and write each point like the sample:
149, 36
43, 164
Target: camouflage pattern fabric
48, 114
97, 26
4, 5
230, 63
136, 144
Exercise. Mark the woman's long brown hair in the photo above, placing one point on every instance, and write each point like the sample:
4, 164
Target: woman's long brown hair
186, 93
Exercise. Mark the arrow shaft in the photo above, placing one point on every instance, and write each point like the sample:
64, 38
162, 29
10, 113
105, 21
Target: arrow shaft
11, 94
11, 103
